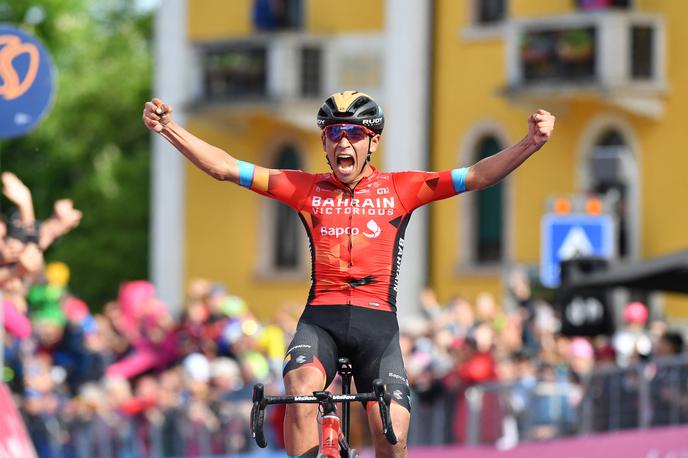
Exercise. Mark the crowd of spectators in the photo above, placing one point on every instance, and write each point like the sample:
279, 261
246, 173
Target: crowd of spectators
133, 381
136, 381
536, 383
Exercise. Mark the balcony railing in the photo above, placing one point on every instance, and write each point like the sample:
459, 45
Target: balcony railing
614, 55
273, 69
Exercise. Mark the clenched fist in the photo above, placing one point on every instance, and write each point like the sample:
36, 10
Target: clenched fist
156, 115
540, 126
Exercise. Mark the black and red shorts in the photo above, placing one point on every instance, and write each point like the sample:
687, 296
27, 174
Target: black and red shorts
368, 337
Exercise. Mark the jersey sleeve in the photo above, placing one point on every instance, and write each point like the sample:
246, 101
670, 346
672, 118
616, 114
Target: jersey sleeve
288, 186
419, 188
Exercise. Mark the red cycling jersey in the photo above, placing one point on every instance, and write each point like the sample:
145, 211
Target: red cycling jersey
356, 236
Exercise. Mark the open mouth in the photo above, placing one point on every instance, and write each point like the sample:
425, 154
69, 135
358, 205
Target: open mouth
345, 163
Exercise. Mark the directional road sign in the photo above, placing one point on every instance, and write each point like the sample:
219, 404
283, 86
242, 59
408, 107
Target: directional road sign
569, 236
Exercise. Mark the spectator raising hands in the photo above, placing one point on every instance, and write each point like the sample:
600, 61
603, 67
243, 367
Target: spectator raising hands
19, 194
65, 218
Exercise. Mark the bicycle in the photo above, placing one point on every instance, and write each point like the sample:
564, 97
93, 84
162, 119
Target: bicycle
329, 427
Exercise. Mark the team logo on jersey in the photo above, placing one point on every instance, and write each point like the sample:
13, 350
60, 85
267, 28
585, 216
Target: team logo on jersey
374, 229
378, 206
332, 190
337, 232
398, 377
297, 346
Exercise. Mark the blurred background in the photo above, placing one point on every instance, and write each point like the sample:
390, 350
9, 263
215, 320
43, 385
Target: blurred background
143, 299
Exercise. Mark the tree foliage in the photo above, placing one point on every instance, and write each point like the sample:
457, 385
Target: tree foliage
92, 147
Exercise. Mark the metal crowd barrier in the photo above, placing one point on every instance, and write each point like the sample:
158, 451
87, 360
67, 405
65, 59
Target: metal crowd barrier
177, 432
640, 396
500, 414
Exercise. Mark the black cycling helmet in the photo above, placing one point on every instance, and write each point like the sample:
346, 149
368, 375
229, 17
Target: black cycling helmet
351, 107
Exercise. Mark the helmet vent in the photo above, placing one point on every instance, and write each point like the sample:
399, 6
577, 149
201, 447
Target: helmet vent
358, 103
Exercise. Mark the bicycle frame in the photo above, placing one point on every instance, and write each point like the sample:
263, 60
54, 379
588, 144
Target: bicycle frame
327, 401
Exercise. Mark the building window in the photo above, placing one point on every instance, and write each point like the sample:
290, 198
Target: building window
489, 12
642, 55
488, 212
559, 55
485, 241
277, 15
311, 71
235, 72
287, 238
613, 172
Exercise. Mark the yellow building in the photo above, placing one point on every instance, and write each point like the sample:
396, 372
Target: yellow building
249, 79
250, 82
618, 103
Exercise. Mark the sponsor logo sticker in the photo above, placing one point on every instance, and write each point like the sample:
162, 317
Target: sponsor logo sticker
374, 229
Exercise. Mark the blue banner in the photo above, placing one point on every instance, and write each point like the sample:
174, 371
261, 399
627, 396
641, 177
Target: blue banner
27, 82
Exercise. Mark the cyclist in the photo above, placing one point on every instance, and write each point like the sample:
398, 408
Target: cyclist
355, 218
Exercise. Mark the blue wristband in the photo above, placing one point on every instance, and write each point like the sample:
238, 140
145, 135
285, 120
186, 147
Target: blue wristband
245, 173
459, 179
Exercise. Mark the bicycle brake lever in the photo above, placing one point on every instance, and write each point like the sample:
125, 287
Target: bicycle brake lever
384, 401
258, 415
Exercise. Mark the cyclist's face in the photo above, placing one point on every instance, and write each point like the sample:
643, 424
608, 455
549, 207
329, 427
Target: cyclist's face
346, 148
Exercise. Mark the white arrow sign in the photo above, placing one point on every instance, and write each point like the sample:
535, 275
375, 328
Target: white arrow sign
575, 244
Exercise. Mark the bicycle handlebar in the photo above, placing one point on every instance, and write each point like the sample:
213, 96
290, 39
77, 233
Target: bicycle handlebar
260, 402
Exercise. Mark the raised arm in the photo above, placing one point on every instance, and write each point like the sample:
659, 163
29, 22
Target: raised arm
17, 192
64, 219
217, 163
288, 186
491, 170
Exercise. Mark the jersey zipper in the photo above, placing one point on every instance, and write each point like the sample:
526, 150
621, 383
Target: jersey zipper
351, 244
351, 238
351, 228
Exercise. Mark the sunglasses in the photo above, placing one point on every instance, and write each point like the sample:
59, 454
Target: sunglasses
354, 132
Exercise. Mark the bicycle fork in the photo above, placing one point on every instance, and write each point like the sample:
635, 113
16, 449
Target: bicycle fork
330, 426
